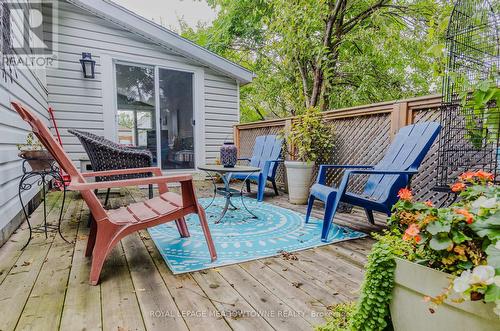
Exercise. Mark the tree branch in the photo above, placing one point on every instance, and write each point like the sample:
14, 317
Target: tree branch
304, 82
363, 15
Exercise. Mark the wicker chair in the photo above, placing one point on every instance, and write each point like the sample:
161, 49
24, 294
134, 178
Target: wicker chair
106, 155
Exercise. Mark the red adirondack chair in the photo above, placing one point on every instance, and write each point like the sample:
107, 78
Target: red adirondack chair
111, 226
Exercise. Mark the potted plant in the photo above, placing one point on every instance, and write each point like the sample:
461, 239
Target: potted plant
33, 151
436, 268
308, 140
454, 260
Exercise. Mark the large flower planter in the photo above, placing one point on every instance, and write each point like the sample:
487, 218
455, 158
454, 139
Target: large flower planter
299, 176
409, 312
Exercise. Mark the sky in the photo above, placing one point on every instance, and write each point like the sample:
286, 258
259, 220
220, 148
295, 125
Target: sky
167, 12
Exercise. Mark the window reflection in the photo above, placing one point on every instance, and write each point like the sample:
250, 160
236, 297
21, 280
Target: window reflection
135, 87
176, 118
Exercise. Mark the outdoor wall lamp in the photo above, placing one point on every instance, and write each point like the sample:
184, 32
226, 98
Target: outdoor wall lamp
88, 65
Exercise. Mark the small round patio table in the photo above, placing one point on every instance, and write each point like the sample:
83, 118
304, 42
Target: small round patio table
226, 190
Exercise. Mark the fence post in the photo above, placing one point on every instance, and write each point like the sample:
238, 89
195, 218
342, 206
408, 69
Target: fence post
286, 131
236, 138
399, 117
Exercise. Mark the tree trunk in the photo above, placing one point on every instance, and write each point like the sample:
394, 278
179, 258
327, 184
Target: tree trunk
336, 11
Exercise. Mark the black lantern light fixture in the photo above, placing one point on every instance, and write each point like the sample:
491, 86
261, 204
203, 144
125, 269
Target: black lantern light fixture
88, 65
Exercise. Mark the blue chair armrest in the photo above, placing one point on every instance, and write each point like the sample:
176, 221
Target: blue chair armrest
346, 166
408, 173
382, 172
267, 166
345, 179
324, 167
273, 161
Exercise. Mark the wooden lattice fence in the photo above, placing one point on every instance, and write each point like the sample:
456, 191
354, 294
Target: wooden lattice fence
361, 135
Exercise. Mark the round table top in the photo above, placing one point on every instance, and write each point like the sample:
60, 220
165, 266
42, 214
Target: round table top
221, 169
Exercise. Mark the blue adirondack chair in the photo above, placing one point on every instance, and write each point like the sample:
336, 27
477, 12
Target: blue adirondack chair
266, 156
392, 173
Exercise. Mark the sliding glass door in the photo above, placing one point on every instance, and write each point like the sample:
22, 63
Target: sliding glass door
136, 113
163, 123
176, 119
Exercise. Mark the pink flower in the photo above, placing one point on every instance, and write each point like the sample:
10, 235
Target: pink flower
458, 187
469, 218
412, 233
405, 194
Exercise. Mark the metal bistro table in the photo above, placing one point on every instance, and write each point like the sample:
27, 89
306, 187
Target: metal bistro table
226, 190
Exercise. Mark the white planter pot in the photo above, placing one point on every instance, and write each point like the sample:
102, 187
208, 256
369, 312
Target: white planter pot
299, 176
409, 312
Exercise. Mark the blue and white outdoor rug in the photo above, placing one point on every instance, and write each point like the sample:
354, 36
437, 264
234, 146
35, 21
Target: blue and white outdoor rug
239, 237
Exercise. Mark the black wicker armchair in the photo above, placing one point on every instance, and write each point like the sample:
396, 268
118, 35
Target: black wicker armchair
105, 155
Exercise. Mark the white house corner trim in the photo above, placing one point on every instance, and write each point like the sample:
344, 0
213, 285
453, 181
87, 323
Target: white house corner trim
200, 115
108, 97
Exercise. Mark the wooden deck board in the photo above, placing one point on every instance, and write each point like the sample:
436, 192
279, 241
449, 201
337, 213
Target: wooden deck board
308, 307
46, 286
275, 311
154, 298
82, 307
50, 288
17, 286
238, 313
119, 303
11, 250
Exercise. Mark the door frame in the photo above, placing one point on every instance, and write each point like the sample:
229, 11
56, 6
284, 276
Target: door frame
108, 62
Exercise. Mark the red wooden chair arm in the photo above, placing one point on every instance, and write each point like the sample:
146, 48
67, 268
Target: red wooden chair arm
130, 182
131, 171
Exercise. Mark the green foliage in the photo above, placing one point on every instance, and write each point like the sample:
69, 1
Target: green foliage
481, 105
377, 50
32, 144
339, 319
372, 311
126, 120
310, 138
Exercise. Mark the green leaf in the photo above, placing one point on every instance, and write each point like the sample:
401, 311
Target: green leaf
436, 49
493, 256
492, 293
489, 227
464, 265
439, 243
437, 227
459, 237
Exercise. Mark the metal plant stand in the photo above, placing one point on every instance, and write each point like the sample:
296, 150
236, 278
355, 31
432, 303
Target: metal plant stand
42, 178
470, 138
226, 191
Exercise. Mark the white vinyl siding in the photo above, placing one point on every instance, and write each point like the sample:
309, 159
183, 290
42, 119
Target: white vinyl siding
221, 112
79, 103
26, 87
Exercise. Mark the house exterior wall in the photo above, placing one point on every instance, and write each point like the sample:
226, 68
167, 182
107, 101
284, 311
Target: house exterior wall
26, 86
85, 103
88, 104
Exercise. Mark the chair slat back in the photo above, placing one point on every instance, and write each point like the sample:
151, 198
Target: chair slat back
267, 148
407, 151
55, 149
